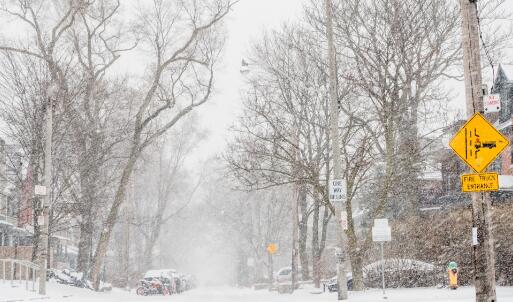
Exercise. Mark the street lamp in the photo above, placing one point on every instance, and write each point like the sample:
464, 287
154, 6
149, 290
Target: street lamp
51, 94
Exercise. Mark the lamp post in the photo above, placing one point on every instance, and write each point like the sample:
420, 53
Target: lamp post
51, 93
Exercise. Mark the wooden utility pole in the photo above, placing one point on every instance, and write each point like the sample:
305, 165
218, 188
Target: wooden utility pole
44, 256
483, 251
295, 217
335, 148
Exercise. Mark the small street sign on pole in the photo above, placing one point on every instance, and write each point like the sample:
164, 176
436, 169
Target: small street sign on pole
484, 182
39, 190
337, 190
343, 220
272, 248
381, 232
492, 103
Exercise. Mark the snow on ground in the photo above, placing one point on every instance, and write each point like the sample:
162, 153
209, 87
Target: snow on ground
57, 292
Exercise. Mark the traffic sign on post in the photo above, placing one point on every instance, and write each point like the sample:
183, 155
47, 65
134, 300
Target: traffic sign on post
381, 232
272, 248
492, 103
337, 190
480, 182
478, 143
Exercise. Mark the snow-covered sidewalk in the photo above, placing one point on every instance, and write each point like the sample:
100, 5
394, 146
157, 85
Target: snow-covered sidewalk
57, 292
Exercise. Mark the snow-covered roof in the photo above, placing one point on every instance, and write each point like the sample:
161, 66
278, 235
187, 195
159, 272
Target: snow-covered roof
431, 175
72, 249
5, 223
61, 238
508, 70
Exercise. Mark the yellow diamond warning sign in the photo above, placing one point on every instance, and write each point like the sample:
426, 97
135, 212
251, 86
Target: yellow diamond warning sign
272, 248
480, 182
478, 143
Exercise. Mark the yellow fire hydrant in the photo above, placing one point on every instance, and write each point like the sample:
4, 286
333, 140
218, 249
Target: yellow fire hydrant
452, 270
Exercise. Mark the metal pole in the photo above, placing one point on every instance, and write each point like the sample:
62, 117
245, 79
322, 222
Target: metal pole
335, 147
33, 279
43, 259
483, 252
271, 277
383, 269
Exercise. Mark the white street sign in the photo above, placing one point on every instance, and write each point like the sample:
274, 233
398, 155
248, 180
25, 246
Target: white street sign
40, 220
474, 236
492, 103
337, 190
381, 231
380, 234
40, 190
383, 222
343, 220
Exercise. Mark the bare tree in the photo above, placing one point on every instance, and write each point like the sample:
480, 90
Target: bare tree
181, 79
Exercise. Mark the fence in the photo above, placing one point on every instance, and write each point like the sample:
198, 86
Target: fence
16, 271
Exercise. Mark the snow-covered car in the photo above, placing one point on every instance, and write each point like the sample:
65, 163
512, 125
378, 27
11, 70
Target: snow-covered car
169, 277
332, 284
161, 273
284, 274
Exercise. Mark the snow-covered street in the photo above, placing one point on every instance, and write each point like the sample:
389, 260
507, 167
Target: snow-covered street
228, 294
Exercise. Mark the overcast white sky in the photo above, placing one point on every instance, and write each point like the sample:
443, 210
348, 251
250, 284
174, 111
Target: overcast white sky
245, 24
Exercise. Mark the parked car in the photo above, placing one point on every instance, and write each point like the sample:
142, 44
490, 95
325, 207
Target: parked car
284, 274
332, 284
168, 277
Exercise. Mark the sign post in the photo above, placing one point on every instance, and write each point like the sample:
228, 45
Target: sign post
381, 233
272, 248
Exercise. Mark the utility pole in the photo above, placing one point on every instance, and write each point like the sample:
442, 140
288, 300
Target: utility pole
335, 139
295, 216
483, 253
45, 204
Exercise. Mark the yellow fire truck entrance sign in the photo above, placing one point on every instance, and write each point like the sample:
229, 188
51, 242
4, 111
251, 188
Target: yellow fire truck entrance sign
478, 143
480, 182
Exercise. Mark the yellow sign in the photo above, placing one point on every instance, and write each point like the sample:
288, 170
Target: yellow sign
480, 182
272, 248
478, 143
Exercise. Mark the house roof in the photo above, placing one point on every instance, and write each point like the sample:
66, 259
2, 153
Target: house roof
508, 71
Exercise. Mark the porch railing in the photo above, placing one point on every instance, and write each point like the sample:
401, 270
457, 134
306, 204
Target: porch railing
18, 271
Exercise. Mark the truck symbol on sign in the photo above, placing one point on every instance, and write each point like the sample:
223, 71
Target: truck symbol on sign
475, 144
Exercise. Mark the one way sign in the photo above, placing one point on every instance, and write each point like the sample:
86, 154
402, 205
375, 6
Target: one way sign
337, 190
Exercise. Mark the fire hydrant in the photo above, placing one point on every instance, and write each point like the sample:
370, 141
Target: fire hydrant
452, 270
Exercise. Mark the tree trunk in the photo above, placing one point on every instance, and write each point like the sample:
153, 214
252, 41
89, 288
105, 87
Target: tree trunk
103, 243
357, 270
148, 248
316, 263
84, 246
